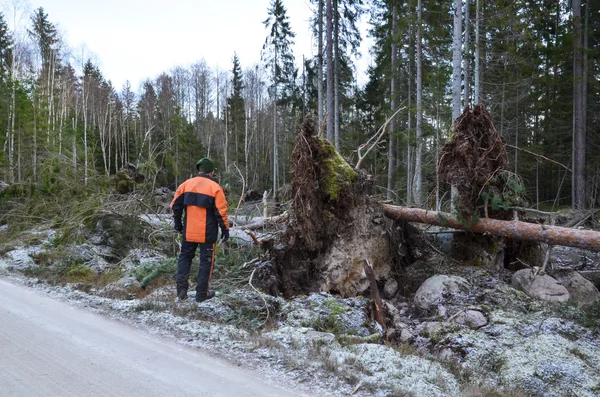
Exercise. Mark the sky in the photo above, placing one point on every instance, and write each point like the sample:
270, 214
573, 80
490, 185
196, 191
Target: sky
139, 39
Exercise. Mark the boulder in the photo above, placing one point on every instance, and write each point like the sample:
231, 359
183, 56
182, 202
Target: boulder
471, 318
131, 284
582, 291
3, 185
432, 291
540, 287
406, 336
390, 289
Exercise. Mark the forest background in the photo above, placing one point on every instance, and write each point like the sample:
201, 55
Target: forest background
533, 64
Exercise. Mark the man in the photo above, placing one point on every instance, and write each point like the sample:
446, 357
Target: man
203, 202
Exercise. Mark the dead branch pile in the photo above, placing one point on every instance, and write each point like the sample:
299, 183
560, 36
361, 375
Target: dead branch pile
474, 155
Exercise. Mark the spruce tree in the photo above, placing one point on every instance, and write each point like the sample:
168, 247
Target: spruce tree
278, 58
236, 109
45, 35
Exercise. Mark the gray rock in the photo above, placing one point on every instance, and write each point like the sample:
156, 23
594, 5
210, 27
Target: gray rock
390, 289
431, 328
3, 185
582, 291
324, 312
142, 257
406, 335
21, 258
544, 287
432, 291
215, 310
129, 283
471, 318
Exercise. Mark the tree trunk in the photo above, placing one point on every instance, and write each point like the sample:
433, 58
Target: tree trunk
456, 80
578, 186
418, 192
456, 60
554, 235
320, 68
467, 56
336, 76
409, 165
392, 132
477, 100
330, 126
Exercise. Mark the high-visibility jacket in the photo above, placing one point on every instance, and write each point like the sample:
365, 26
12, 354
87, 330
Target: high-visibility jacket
205, 207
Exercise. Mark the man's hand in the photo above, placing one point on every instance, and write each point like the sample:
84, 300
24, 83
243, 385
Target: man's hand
224, 236
179, 228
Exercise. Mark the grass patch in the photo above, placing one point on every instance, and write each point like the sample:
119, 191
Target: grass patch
151, 306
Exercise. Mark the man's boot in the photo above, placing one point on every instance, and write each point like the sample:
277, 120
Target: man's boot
202, 298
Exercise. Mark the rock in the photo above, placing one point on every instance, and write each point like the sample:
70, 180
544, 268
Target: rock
3, 185
215, 310
405, 335
390, 289
129, 283
582, 291
540, 287
324, 312
432, 327
432, 291
142, 258
471, 318
21, 258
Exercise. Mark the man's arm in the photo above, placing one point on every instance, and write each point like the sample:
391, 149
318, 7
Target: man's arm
177, 207
221, 214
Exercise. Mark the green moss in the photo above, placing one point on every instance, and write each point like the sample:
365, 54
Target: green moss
337, 174
335, 307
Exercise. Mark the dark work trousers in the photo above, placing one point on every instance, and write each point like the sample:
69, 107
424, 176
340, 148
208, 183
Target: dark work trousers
207, 262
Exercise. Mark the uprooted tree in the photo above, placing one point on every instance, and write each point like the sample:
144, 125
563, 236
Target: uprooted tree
334, 226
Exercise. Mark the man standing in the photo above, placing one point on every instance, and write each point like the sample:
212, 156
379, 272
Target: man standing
205, 207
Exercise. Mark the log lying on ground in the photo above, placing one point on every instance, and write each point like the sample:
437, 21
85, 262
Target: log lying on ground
554, 235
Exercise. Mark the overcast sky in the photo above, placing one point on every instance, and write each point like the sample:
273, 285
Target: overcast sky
138, 39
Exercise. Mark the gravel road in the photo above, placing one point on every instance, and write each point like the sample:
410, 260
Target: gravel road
49, 348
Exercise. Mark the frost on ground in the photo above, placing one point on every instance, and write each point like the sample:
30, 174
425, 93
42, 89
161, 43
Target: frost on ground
482, 338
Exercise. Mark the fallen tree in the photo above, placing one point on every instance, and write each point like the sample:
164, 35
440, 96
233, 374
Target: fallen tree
554, 235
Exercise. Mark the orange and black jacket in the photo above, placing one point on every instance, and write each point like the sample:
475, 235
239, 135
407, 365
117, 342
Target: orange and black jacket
205, 207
